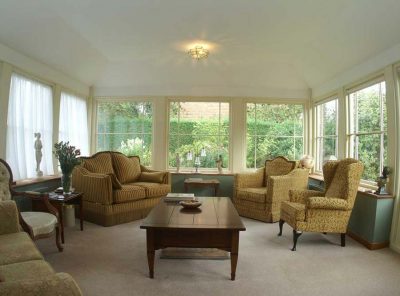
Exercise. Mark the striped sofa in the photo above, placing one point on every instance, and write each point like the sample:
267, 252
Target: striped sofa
118, 189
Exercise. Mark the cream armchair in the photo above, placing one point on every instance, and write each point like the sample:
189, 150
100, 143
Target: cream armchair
259, 195
328, 211
36, 224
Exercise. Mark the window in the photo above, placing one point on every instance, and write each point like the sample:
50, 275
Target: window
198, 134
126, 127
73, 122
326, 132
272, 130
367, 134
30, 111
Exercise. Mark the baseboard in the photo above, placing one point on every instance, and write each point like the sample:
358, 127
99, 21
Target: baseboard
369, 245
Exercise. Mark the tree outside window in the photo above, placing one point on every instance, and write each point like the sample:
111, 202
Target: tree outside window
367, 136
273, 130
126, 127
198, 130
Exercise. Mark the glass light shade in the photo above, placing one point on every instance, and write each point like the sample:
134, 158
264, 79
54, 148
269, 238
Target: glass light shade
197, 160
189, 156
203, 152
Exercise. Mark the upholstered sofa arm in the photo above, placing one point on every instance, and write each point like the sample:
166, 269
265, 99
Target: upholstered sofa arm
327, 203
9, 222
60, 284
250, 180
278, 186
166, 179
300, 196
96, 188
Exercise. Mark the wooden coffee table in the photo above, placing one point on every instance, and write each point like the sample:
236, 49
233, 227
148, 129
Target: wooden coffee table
216, 224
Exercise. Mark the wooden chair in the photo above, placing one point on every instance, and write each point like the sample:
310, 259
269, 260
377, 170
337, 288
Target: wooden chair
37, 224
329, 211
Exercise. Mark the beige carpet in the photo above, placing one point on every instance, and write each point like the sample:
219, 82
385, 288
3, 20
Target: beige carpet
112, 261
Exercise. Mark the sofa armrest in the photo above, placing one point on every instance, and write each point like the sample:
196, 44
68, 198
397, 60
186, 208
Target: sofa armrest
166, 178
96, 188
61, 284
300, 196
328, 203
278, 186
9, 222
250, 180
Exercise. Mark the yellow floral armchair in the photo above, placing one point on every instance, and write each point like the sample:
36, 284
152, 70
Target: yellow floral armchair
258, 195
328, 211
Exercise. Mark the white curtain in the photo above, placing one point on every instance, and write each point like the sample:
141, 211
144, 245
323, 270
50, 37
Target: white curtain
73, 122
30, 110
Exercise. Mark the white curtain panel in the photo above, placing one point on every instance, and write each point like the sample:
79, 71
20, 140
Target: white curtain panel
73, 122
30, 110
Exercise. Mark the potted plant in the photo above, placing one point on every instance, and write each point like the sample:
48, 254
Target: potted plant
67, 156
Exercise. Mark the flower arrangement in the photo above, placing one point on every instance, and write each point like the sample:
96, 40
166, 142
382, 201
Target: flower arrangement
67, 156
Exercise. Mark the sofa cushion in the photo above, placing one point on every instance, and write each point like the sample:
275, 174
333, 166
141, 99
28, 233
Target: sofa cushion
33, 269
128, 193
100, 163
154, 177
127, 169
252, 194
294, 209
115, 182
17, 247
154, 189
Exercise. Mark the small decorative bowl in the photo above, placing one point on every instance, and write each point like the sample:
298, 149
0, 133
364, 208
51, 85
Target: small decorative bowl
190, 204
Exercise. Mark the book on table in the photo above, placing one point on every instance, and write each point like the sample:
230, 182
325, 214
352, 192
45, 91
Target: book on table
179, 196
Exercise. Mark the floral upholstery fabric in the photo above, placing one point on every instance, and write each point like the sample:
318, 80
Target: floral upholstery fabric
259, 198
327, 211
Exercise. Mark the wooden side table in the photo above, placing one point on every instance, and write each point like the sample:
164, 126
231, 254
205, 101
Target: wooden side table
198, 182
58, 200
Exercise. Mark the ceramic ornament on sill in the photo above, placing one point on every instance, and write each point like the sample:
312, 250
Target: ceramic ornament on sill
38, 154
307, 161
219, 164
178, 162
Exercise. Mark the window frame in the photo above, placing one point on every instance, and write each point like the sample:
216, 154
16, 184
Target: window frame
276, 102
205, 99
317, 130
349, 122
112, 99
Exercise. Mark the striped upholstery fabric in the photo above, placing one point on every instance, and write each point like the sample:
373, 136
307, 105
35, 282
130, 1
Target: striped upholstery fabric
154, 189
129, 192
127, 169
99, 163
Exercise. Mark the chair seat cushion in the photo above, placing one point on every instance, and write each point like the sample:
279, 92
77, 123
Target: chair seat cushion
17, 247
129, 192
42, 223
257, 195
154, 189
294, 209
34, 269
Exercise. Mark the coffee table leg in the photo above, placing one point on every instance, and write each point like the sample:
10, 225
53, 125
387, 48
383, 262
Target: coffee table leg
150, 251
234, 253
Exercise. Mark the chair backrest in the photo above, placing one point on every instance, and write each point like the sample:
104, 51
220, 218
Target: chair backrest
278, 166
5, 181
342, 178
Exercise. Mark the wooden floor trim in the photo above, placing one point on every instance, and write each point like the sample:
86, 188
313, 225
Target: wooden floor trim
369, 245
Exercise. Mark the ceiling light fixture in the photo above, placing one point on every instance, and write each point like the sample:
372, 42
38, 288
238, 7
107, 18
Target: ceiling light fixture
198, 52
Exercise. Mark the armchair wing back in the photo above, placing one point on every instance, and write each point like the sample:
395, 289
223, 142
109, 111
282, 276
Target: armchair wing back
259, 195
5, 181
327, 211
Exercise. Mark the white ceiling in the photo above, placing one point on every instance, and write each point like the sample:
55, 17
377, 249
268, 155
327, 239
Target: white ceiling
268, 44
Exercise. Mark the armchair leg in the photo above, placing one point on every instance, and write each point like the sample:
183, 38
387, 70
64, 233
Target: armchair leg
296, 235
58, 239
343, 239
281, 222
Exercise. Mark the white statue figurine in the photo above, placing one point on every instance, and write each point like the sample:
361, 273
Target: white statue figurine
38, 153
